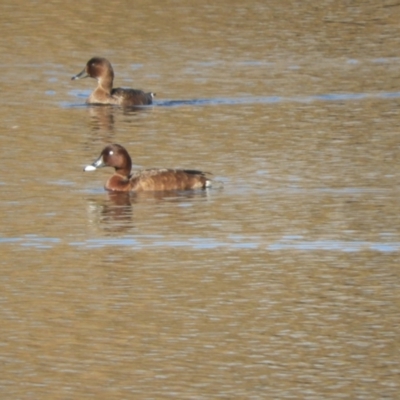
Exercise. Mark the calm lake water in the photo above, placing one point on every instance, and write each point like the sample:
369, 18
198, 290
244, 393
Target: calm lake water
282, 284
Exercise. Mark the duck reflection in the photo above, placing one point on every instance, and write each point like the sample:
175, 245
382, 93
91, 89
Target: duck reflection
114, 213
102, 117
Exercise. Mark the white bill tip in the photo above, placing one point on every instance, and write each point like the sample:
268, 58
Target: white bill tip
89, 168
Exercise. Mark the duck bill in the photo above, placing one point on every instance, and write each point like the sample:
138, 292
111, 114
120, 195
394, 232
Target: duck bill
99, 163
81, 75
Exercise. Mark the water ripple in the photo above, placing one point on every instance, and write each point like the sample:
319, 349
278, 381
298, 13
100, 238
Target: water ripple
254, 99
237, 242
277, 99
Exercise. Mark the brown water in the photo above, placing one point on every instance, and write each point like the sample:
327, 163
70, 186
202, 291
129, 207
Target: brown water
282, 285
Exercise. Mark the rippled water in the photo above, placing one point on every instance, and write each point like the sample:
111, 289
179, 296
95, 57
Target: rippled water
282, 283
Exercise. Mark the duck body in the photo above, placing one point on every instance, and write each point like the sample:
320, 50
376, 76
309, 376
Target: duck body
153, 179
101, 69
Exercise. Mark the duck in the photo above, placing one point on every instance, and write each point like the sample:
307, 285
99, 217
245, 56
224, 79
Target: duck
101, 69
154, 179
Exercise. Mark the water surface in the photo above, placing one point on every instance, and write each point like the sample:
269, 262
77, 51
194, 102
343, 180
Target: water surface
282, 284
